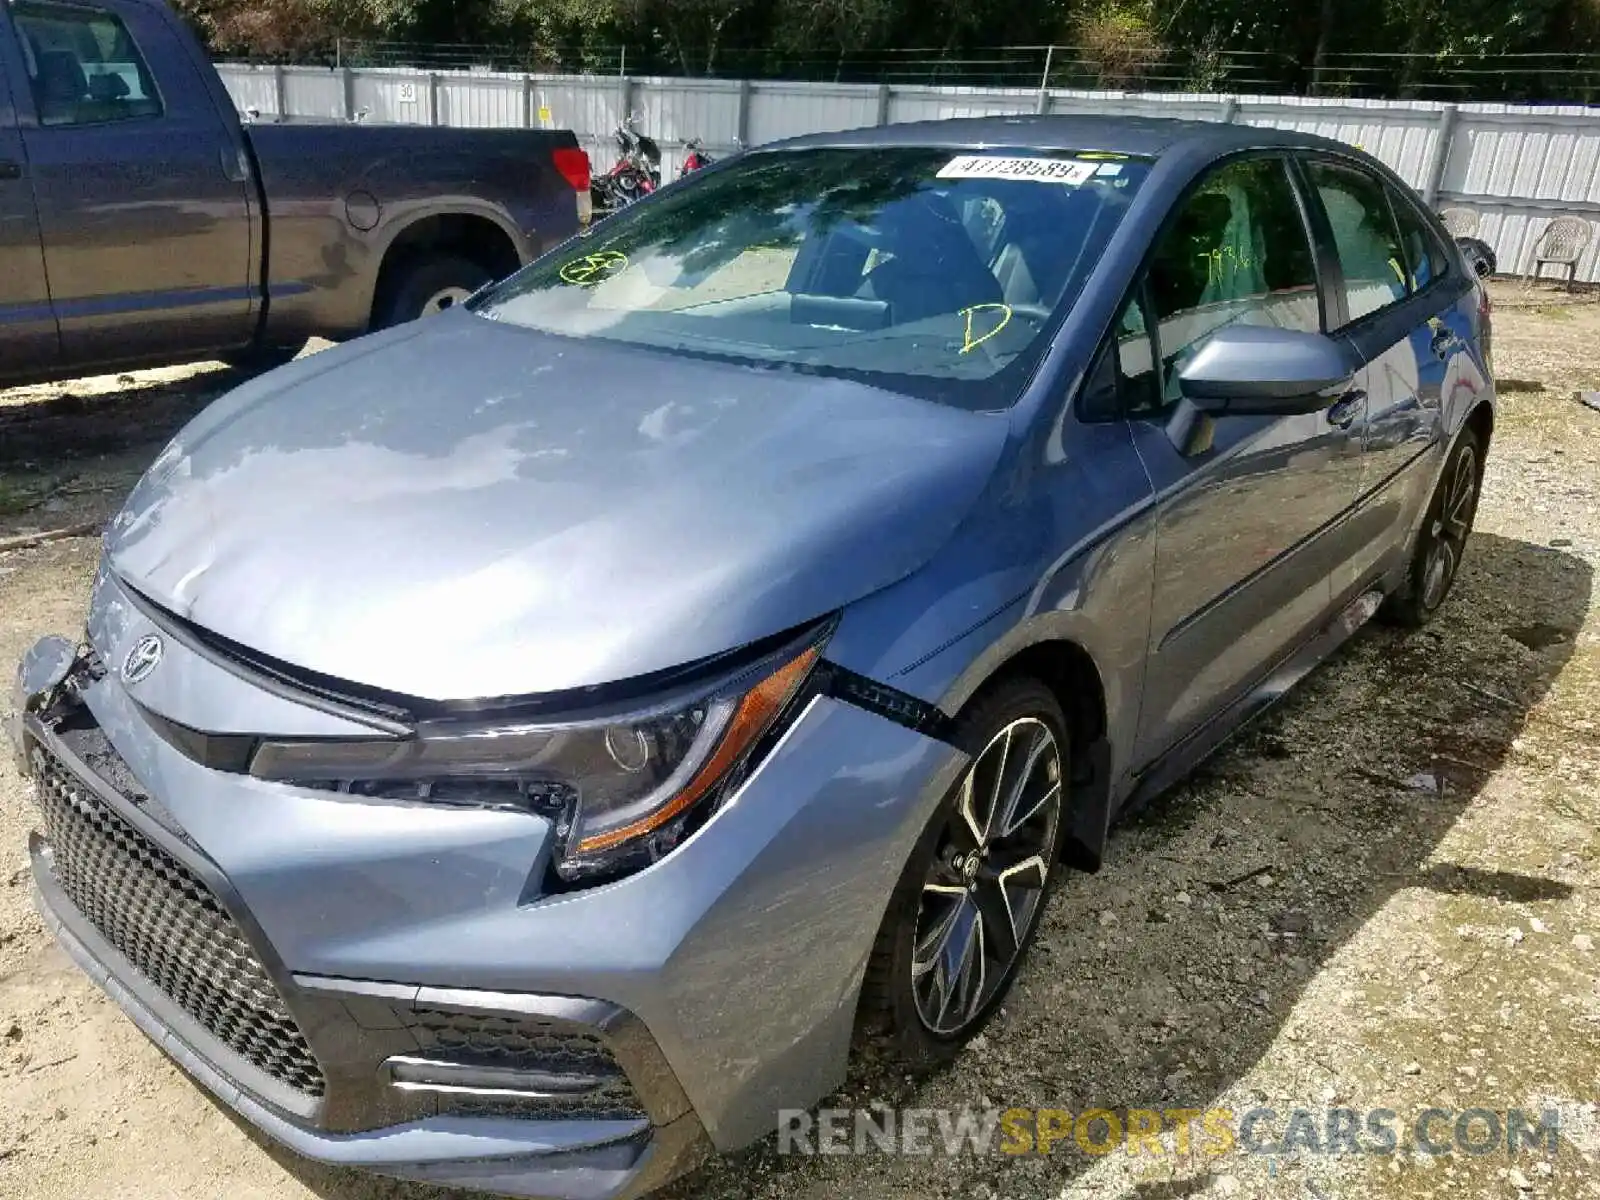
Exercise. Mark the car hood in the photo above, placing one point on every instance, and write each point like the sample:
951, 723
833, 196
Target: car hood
462, 509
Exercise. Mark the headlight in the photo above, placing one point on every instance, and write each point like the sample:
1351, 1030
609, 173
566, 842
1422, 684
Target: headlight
42, 670
621, 789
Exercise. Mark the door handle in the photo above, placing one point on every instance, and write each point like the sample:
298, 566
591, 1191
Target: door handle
10, 169
1346, 408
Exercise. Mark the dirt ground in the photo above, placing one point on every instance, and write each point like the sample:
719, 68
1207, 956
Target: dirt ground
1383, 896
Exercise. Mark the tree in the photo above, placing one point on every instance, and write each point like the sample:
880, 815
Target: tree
1119, 43
1365, 47
804, 26
692, 30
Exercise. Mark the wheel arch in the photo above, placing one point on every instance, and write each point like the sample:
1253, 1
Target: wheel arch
1481, 421
482, 236
1068, 668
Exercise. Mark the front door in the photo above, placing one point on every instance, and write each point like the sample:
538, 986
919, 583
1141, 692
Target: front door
28, 343
142, 199
1248, 528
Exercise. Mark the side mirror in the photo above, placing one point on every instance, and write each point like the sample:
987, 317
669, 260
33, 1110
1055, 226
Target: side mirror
1253, 370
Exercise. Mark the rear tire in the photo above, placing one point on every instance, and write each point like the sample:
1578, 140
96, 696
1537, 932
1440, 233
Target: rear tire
429, 285
969, 901
1442, 540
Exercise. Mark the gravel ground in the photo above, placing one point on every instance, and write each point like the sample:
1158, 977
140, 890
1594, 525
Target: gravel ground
1382, 896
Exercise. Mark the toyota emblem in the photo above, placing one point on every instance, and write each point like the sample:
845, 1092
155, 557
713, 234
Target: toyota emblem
142, 659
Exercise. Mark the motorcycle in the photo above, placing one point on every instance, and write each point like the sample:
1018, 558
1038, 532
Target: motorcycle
635, 174
695, 158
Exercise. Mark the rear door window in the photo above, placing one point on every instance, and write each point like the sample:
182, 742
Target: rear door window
83, 66
1425, 256
1365, 236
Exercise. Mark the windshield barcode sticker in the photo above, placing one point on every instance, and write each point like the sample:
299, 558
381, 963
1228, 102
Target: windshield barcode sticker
1040, 170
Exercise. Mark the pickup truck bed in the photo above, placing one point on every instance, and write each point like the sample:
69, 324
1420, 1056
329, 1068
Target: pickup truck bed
142, 223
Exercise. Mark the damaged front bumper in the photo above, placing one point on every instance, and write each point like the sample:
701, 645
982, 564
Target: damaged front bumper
585, 1045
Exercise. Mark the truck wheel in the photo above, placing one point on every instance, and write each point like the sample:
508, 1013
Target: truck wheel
428, 286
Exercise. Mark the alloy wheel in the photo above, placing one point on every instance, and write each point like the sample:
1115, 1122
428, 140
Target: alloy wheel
1447, 533
985, 889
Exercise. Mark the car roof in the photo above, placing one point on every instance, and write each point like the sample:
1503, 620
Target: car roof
1150, 137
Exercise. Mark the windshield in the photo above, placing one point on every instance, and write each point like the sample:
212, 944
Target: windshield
934, 272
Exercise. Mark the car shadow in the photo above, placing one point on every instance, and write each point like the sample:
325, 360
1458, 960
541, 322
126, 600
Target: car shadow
65, 423
70, 452
1342, 794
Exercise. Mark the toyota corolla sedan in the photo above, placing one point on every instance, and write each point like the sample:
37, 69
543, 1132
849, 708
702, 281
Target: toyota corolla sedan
528, 748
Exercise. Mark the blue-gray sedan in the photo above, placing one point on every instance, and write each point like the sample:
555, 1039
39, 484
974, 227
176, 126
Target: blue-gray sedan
528, 748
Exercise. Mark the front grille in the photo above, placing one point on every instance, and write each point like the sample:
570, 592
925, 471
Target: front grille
526, 1044
166, 922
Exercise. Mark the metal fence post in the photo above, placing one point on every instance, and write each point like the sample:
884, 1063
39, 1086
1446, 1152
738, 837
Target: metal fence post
625, 97
527, 100
433, 97
280, 90
1042, 106
742, 125
1230, 110
348, 82
1442, 145
884, 96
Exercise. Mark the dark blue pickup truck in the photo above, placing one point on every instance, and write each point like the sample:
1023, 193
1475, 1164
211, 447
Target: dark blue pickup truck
141, 222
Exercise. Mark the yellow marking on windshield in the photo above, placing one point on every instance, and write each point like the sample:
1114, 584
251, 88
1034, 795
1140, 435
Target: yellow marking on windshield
592, 268
970, 343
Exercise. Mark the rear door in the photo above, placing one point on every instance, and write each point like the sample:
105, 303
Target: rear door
140, 187
1395, 299
28, 343
1248, 530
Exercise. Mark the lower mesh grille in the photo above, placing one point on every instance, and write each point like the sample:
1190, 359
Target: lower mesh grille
166, 922
526, 1044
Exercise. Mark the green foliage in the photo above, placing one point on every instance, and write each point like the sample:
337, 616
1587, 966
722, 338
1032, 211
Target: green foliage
1359, 47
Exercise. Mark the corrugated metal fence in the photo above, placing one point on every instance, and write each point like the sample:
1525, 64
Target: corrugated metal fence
1516, 166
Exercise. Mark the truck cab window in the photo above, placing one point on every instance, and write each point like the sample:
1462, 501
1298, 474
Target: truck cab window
83, 67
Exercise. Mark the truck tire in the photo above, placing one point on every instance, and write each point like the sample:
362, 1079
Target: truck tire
429, 285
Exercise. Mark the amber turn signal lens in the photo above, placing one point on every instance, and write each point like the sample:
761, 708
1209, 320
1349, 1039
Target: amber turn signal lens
756, 711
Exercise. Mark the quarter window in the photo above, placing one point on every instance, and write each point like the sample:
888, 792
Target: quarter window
83, 67
1425, 256
1365, 236
1235, 253
1136, 361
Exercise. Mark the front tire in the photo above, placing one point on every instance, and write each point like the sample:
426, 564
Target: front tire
969, 901
1442, 540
